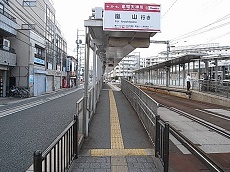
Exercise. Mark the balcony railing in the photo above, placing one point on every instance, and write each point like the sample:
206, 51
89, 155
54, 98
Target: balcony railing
8, 15
5, 48
7, 56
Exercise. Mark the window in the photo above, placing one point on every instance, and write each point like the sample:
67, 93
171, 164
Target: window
31, 3
39, 52
1, 8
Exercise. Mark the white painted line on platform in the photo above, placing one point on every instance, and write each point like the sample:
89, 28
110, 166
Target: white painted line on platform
213, 114
220, 111
209, 141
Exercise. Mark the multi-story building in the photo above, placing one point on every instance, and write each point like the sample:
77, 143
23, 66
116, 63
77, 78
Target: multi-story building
40, 48
8, 26
126, 66
71, 69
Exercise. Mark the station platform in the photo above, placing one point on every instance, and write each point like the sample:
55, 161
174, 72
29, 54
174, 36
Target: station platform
117, 140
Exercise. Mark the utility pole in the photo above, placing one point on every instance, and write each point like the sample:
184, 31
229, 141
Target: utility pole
78, 66
163, 42
167, 57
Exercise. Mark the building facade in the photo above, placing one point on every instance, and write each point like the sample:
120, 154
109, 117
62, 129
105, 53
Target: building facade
8, 26
126, 66
40, 50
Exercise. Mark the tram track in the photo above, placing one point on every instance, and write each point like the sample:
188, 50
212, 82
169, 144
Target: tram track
199, 154
211, 160
202, 122
194, 108
192, 147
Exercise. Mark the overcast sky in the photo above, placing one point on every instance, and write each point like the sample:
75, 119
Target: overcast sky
183, 22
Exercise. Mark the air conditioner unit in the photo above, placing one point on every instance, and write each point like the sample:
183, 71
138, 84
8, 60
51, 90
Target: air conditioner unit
6, 44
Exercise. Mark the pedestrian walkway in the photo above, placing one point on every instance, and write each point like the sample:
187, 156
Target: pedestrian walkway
7, 100
10, 100
117, 141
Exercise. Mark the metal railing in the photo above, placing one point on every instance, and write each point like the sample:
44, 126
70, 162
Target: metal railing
64, 149
221, 87
60, 154
162, 142
8, 49
146, 108
7, 15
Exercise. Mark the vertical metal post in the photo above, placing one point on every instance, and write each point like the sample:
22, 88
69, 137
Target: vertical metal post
149, 76
216, 70
38, 161
99, 62
86, 78
179, 74
175, 73
166, 147
199, 73
168, 50
157, 135
4, 77
94, 78
188, 67
184, 76
167, 76
75, 136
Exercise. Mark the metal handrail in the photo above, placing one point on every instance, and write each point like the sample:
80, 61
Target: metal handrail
162, 142
7, 15
220, 87
146, 108
60, 154
64, 149
8, 49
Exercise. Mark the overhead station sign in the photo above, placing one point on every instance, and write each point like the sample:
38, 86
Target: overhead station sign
131, 17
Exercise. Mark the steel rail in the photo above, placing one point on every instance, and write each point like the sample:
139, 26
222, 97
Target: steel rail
195, 150
224, 133
201, 155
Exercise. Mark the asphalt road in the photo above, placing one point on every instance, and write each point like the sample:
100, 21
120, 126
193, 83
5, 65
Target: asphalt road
32, 125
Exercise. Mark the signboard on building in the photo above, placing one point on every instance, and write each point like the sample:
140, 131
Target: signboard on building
131, 17
67, 64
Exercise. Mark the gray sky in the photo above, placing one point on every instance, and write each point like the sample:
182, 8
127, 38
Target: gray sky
183, 22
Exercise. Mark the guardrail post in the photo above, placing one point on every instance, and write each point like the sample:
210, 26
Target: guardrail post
38, 161
157, 136
75, 136
166, 148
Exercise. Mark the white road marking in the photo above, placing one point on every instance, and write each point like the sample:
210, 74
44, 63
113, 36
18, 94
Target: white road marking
25, 106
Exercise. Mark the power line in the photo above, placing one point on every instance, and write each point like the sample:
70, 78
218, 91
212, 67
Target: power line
199, 30
219, 37
207, 30
169, 8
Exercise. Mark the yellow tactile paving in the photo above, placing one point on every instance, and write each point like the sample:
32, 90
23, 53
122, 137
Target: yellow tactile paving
117, 152
116, 136
121, 152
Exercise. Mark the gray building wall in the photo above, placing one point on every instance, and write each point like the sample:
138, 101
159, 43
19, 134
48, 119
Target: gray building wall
36, 29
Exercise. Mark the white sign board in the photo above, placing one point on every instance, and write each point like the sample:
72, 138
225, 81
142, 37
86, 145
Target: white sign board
131, 17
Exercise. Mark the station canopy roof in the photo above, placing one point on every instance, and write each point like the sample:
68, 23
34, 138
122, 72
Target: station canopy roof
177, 61
114, 44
